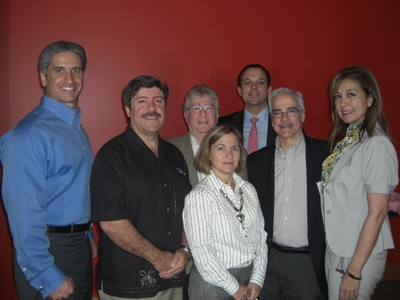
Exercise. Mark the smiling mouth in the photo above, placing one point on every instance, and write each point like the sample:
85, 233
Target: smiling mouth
346, 112
67, 88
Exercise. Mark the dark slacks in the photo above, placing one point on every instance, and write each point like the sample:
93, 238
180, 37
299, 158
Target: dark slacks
201, 290
290, 276
72, 254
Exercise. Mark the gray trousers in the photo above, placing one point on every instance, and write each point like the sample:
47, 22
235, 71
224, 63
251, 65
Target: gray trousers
290, 276
72, 254
201, 290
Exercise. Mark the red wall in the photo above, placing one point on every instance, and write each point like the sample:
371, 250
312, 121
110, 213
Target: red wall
302, 43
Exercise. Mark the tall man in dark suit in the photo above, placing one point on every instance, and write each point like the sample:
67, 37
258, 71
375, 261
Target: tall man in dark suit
254, 85
285, 175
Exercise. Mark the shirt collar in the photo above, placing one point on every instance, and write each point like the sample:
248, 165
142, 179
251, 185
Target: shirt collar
294, 147
263, 116
65, 113
217, 182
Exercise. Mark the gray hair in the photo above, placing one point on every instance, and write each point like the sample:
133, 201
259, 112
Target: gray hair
58, 47
282, 90
200, 91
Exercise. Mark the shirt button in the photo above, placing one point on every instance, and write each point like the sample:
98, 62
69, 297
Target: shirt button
24, 269
287, 199
40, 288
167, 208
327, 191
328, 212
284, 236
169, 233
288, 162
165, 185
285, 218
288, 180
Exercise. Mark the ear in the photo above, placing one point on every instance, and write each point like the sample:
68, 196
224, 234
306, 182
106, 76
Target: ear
370, 100
43, 79
303, 116
128, 111
185, 116
239, 90
269, 89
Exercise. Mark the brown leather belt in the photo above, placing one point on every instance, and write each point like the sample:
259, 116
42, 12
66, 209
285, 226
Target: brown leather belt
284, 249
69, 228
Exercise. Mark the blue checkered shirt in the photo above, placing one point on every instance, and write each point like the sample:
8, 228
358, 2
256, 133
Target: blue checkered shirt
46, 160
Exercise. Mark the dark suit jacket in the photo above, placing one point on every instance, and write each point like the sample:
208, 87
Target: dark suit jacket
236, 120
261, 169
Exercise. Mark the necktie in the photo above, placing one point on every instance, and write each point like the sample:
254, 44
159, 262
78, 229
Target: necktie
253, 137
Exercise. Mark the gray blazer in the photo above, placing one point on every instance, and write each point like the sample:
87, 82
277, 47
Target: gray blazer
368, 166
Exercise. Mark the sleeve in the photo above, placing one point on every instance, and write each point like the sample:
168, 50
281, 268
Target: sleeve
197, 213
107, 189
261, 259
380, 166
25, 197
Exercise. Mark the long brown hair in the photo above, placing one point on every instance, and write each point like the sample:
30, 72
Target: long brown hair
374, 113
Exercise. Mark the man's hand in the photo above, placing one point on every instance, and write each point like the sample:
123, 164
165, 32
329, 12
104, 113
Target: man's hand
394, 202
164, 261
64, 290
177, 264
94, 248
242, 293
254, 290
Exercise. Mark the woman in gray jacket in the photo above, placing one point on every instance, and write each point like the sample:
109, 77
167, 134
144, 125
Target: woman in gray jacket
357, 179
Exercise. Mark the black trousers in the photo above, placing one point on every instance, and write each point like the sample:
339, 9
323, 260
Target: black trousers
72, 254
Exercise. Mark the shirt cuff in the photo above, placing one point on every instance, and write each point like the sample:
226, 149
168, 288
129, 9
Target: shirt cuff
48, 281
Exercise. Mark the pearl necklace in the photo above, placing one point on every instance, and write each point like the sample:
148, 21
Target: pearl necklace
239, 216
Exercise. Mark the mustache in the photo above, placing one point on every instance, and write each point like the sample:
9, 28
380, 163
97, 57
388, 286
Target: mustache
151, 114
285, 124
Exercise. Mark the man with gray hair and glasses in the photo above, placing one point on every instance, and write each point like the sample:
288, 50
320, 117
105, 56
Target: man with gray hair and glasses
200, 110
285, 175
47, 160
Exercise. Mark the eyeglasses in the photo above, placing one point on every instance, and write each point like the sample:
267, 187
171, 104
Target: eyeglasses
290, 112
196, 108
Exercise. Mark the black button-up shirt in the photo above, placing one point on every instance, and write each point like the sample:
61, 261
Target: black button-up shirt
130, 182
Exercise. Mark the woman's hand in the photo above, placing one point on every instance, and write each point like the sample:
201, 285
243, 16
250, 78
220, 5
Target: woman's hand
242, 293
254, 291
349, 288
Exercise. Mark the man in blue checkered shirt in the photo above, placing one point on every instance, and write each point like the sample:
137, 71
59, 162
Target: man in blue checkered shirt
47, 160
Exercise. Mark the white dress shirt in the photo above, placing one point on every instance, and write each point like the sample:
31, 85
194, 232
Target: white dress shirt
216, 237
195, 147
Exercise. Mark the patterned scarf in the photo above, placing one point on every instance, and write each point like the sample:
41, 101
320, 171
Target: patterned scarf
352, 133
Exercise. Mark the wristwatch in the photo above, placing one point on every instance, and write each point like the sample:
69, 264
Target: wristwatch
186, 249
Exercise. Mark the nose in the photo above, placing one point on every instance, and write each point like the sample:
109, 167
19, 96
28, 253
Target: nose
203, 112
68, 77
151, 105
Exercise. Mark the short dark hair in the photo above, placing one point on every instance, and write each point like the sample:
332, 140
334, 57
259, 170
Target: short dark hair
257, 66
143, 81
202, 159
58, 47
